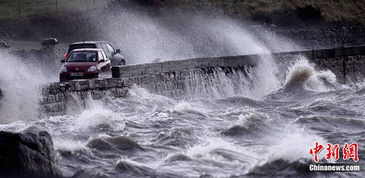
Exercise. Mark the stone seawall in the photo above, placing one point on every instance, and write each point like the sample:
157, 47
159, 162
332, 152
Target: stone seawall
188, 64
185, 77
171, 78
57, 95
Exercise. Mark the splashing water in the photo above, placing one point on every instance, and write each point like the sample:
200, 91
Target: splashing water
20, 84
144, 39
302, 75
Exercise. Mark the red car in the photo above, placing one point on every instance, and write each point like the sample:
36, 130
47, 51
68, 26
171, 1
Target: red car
84, 64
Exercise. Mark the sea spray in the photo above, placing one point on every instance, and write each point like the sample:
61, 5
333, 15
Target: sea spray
21, 84
144, 38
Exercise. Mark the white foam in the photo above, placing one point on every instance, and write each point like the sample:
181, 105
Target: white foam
209, 149
293, 143
67, 144
97, 114
21, 85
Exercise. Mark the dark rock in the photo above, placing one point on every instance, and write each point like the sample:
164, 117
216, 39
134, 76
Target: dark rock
179, 157
88, 173
135, 170
118, 143
283, 168
236, 130
27, 154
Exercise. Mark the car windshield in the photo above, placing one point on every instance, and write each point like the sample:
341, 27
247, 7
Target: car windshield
80, 46
82, 56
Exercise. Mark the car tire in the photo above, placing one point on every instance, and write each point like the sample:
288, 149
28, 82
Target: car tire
63, 79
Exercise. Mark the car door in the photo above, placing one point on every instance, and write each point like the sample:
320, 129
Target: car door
101, 63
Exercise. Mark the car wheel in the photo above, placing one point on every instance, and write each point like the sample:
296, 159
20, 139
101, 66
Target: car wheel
63, 79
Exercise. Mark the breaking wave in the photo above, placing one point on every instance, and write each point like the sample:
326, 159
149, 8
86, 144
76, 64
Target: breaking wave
303, 75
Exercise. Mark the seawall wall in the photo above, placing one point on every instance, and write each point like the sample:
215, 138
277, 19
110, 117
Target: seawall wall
180, 78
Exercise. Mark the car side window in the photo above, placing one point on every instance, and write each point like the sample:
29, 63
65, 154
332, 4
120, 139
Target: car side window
100, 56
110, 48
104, 47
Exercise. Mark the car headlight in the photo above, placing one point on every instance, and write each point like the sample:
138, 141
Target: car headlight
92, 69
63, 69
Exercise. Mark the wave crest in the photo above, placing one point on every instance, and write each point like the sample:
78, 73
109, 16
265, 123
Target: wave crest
304, 76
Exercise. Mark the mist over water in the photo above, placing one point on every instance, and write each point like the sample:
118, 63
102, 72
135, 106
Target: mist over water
226, 128
173, 35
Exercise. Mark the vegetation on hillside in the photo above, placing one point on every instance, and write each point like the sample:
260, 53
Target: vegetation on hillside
26, 8
267, 11
282, 12
39, 18
309, 10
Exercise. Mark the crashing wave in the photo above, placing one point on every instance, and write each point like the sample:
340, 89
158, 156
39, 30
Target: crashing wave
303, 79
303, 76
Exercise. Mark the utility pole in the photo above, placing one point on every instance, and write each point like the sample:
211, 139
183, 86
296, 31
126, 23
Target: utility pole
18, 8
94, 2
56, 5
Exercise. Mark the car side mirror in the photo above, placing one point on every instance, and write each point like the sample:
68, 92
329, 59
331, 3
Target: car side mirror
62, 61
101, 60
117, 51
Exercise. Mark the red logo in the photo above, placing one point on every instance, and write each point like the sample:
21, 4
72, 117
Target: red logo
351, 151
316, 150
333, 151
